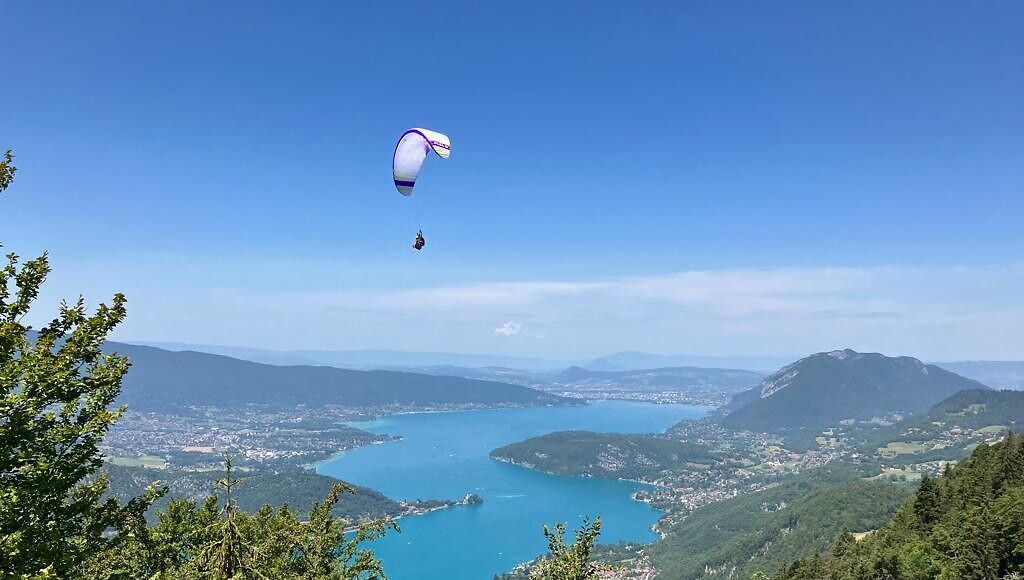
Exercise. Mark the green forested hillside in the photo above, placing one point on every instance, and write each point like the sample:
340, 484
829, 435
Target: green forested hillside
298, 488
950, 430
826, 388
757, 532
967, 524
160, 379
979, 408
603, 454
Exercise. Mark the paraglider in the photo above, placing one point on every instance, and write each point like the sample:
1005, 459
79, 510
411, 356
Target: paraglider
412, 149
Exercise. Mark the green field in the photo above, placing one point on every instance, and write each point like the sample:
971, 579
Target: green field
151, 461
890, 473
991, 429
901, 448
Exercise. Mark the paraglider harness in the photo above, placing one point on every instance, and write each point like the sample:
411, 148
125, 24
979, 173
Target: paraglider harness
420, 242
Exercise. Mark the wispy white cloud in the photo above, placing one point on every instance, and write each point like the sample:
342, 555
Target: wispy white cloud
933, 312
510, 328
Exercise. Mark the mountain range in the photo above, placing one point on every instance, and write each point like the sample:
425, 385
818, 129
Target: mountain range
995, 374
366, 359
396, 359
575, 378
818, 390
161, 378
629, 360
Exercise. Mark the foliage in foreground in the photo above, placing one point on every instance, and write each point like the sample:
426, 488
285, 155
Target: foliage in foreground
194, 541
56, 394
967, 524
299, 488
7, 170
57, 521
569, 561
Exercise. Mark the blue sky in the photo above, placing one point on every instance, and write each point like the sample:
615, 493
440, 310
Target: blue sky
742, 178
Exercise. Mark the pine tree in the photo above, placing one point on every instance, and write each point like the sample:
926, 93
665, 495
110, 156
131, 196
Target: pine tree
569, 561
927, 502
1011, 468
226, 557
966, 525
218, 541
1009, 513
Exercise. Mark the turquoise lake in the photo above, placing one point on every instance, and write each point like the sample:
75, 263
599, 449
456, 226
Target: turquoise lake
445, 455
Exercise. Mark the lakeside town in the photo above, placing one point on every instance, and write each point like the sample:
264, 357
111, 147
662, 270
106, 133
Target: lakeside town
263, 437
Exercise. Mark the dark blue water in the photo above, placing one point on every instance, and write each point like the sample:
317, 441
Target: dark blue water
445, 455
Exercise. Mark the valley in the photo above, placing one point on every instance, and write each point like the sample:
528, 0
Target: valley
857, 468
776, 445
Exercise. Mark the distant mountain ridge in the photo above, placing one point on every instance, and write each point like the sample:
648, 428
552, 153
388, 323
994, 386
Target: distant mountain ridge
828, 387
259, 355
500, 374
398, 359
666, 377
625, 361
161, 378
365, 359
995, 374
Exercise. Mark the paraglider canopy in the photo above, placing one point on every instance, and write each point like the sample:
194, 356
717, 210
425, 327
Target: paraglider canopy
412, 149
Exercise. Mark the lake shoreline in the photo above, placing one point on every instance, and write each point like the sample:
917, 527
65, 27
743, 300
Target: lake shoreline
446, 454
531, 467
583, 402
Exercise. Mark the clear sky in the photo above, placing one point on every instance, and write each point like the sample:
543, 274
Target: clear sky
765, 178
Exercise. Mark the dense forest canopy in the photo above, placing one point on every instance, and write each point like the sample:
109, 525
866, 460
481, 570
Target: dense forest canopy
604, 454
967, 524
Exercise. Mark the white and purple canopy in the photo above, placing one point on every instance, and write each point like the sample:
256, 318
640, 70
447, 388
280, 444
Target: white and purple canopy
410, 152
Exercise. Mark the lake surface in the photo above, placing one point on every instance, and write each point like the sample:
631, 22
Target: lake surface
445, 455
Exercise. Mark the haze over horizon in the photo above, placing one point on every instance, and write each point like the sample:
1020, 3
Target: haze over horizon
758, 180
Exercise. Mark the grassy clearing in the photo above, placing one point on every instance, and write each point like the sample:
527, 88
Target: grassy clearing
861, 535
991, 429
897, 473
151, 461
901, 448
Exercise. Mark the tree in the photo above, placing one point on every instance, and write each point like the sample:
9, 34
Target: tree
964, 525
569, 562
227, 556
208, 541
56, 393
57, 390
927, 502
7, 170
1011, 462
